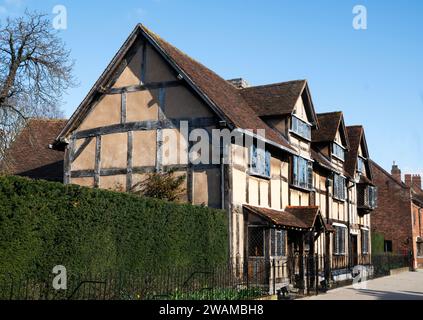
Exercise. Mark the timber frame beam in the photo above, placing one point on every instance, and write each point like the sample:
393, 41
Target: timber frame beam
139, 170
144, 126
142, 87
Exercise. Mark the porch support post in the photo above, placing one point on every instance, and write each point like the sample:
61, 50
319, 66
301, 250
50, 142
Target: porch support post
327, 259
301, 262
310, 261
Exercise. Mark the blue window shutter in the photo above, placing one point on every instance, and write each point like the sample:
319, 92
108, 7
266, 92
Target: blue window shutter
267, 169
310, 175
253, 158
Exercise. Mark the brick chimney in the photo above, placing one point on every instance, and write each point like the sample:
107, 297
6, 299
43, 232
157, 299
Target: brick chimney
416, 181
396, 172
239, 83
408, 180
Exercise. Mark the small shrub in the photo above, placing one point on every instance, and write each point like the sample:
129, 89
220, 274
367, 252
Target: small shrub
161, 185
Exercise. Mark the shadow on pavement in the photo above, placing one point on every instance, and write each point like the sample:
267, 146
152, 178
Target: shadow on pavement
387, 295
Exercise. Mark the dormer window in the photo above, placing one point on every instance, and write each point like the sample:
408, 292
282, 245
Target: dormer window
338, 151
360, 165
300, 127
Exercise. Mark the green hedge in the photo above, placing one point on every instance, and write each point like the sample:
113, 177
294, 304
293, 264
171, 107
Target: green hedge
43, 224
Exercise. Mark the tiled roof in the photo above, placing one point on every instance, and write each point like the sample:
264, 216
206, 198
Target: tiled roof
355, 134
365, 180
279, 218
328, 126
376, 166
307, 214
30, 155
274, 99
417, 196
223, 94
303, 218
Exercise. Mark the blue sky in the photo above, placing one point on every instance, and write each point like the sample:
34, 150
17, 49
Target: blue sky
375, 76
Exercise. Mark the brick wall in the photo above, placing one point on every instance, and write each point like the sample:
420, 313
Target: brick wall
392, 218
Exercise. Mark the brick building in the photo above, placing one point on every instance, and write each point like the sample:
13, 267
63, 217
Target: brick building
30, 155
399, 215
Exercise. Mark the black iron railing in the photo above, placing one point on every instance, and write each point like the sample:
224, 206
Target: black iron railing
237, 280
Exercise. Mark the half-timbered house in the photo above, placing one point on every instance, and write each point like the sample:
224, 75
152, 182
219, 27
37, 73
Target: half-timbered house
291, 190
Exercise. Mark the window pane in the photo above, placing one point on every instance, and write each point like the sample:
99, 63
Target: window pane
302, 173
260, 161
339, 187
256, 241
360, 165
301, 128
338, 151
279, 242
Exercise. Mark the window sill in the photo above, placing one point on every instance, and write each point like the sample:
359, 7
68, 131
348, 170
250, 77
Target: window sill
338, 199
299, 136
257, 175
301, 188
338, 158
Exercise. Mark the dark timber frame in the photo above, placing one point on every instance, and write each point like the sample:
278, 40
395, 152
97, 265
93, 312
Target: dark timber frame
145, 125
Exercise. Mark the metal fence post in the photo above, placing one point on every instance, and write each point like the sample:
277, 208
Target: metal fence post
274, 276
316, 275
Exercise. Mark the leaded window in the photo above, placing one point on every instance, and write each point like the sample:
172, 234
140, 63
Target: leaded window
339, 191
301, 128
302, 173
277, 243
365, 241
339, 240
259, 161
338, 151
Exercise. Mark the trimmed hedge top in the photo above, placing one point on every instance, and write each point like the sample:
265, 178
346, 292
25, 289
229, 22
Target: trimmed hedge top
43, 224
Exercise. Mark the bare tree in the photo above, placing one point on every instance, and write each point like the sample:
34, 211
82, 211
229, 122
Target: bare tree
35, 72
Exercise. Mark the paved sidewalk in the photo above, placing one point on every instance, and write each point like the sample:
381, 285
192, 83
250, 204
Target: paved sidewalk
403, 286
